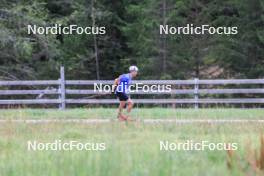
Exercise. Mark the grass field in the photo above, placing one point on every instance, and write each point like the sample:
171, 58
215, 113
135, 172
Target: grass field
131, 148
153, 113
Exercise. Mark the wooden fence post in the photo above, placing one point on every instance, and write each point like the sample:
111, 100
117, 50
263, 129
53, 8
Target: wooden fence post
62, 89
196, 93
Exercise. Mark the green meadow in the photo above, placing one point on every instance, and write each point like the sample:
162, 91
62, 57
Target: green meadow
140, 113
132, 148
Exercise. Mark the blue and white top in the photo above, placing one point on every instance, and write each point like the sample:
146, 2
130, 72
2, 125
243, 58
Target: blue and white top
124, 82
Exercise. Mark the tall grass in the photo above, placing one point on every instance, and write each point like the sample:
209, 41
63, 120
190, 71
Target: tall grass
252, 163
132, 149
136, 113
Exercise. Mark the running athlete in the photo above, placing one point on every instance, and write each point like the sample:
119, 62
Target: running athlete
121, 85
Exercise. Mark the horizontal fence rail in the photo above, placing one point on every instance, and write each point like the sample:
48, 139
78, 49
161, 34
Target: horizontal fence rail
173, 82
174, 92
142, 101
28, 92
140, 92
28, 83
60, 89
167, 101
145, 82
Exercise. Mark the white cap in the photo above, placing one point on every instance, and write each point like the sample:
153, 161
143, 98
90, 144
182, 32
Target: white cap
133, 68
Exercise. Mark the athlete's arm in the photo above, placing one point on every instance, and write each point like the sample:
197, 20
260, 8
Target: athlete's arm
116, 82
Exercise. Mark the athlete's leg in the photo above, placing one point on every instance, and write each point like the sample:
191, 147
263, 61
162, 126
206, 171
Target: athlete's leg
129, 108
120, 108
130, 105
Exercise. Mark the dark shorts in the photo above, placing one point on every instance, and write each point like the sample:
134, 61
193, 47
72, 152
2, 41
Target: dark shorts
122, 96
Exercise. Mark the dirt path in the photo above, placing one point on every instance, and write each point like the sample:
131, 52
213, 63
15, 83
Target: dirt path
146, 121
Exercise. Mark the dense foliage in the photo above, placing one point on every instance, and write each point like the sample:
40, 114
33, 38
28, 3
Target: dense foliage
132, 38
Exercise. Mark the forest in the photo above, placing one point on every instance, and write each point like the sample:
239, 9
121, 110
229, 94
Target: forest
132, 37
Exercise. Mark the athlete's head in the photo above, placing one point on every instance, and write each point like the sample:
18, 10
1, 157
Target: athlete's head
133, 70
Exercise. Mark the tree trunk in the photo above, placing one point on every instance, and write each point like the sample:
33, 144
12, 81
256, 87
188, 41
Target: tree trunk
164, 39
95, 43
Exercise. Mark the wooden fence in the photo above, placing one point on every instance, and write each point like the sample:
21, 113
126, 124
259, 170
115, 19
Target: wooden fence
61, 90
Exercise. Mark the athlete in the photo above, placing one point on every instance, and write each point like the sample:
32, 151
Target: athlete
121, 85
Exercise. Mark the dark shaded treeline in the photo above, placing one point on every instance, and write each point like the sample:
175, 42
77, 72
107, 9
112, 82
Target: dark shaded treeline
132, 38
